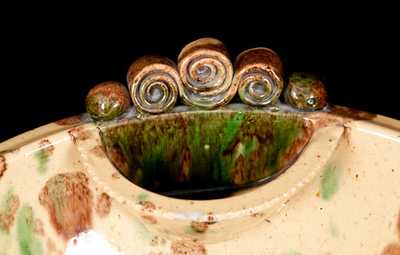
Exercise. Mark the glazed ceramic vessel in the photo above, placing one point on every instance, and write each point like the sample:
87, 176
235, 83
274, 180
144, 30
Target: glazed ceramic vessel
206, 161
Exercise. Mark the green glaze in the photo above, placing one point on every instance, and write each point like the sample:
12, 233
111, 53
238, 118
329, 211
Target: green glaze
303, 78
205, 149
29, 244
107, 101
329, 182
42, 158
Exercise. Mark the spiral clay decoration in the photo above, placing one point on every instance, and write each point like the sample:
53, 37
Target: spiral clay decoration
153, 84
259, 76
206, 74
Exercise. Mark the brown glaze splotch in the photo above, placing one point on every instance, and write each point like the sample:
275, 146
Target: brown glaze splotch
46, 149
117, 159
188, 247
74, 120
78, 134
199, 227
150, 219
103, 205
351, 113
69, 203
38, 227
3, 165
98, 151
391, 249
398, 226
147, 206
8, 210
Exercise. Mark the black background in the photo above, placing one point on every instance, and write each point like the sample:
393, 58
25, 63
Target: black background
51, 59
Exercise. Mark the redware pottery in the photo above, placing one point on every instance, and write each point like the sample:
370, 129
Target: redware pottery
208, 160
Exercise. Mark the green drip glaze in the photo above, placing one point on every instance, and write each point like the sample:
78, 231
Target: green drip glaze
29, 244
206, 149
42, 159
329, 182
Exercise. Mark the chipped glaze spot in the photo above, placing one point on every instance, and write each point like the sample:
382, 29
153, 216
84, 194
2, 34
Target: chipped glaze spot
42, 156
29, 243
69, 203
8, 209
103, 205
186, 247
3, 165
329, 182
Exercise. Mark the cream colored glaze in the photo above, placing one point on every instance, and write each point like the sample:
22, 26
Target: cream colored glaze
285, 217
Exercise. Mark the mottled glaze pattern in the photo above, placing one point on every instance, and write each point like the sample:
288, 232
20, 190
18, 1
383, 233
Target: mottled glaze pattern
306, 92
205, 149
107, 100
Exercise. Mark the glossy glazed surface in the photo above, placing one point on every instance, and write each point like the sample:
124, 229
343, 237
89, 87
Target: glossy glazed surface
59, 194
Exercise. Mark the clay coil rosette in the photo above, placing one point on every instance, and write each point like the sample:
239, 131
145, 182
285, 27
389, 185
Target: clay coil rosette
153, 84
206, 72
259, 76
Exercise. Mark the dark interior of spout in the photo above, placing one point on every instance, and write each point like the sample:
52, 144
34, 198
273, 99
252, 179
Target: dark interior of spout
205, 154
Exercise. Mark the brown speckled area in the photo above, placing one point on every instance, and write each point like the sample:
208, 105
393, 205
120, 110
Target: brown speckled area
69, 203
188, 247
199, 227
157, 240
103, 205
3, 165
69, 121
147, 206
78, 134
98, 151
398, 226
38, 227
391, 249
149, 219
7, 214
